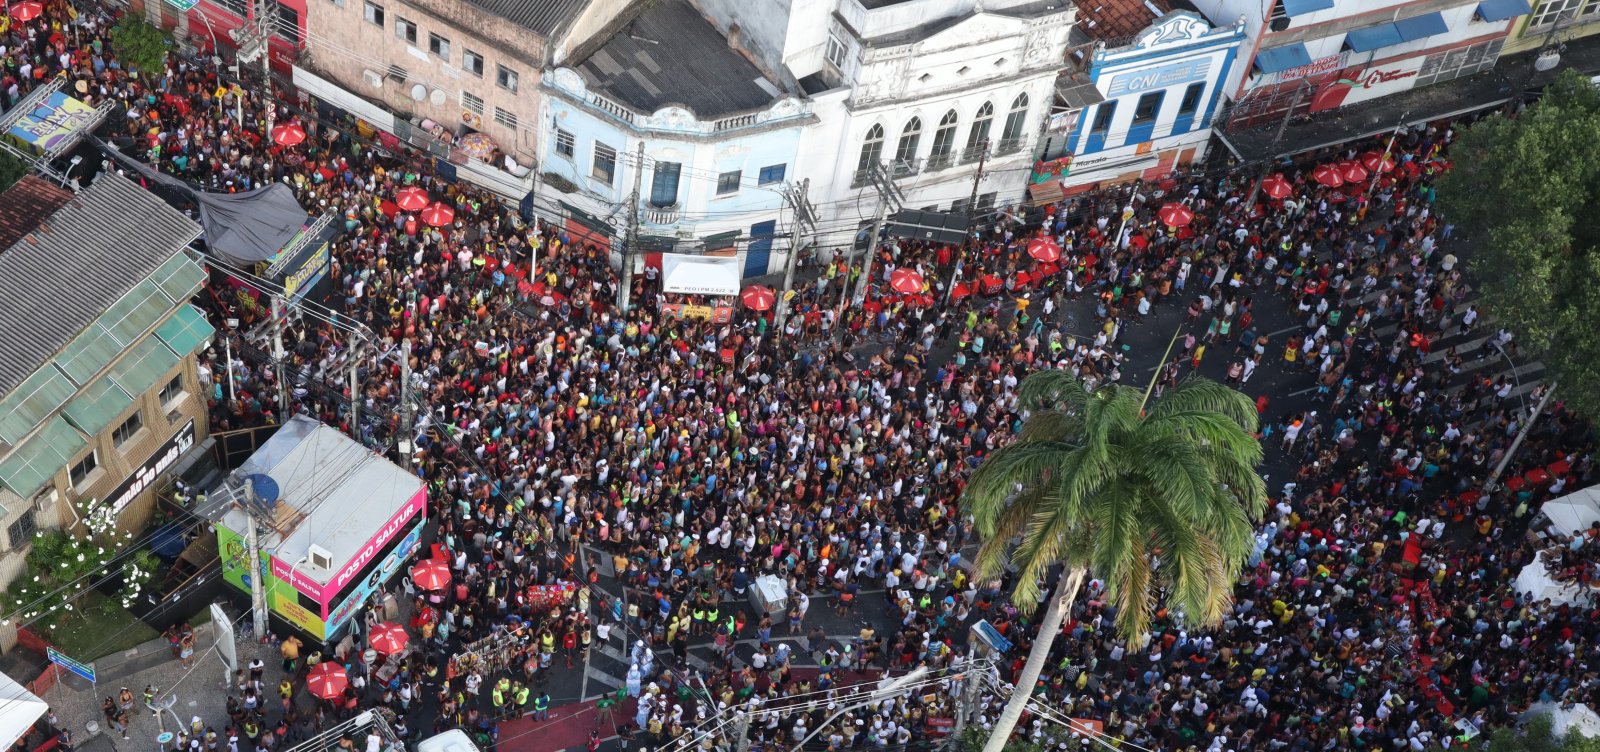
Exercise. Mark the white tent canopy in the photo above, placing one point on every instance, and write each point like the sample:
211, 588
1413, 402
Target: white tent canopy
1575, 511
1577, 718
700, 275
1535, 578
19, 708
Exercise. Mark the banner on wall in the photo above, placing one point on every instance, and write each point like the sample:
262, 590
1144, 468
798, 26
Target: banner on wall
375, 579
1361, 84
700, 275
53, 122
716, 314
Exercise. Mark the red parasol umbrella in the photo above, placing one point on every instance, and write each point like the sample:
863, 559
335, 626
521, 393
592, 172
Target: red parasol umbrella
430, 574
1044, 249
1377, 162
906, 281
1175, 215
388, 638
438, 214
758, 297
27, 11
327, 680
288, 134
1328, 175
388, 208
1276, 186
1353, 172
412, 199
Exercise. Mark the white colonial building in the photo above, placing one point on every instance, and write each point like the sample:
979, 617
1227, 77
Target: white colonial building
930, 88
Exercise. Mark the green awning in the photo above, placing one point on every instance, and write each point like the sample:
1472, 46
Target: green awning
87, 354
145, 363
29, 404
136, 313
179, 277
30, 466
185, 330
100, 404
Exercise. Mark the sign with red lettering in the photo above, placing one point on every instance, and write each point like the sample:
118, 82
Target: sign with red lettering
1362, 84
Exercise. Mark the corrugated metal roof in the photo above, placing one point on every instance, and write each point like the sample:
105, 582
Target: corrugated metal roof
58, 279
542, 17
671, 54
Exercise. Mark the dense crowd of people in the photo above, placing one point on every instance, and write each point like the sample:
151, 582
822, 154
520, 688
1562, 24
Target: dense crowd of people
561, 437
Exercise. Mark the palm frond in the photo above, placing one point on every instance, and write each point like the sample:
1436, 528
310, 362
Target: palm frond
1053, 389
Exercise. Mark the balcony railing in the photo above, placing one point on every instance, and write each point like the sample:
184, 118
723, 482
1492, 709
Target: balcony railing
860, 178
973, 153
904, 167
661, 215
1010, 145
941, 161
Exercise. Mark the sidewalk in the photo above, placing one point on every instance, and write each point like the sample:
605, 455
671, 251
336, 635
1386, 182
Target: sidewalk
201, 690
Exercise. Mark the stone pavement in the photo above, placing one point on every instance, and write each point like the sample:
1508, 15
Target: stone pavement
199, 690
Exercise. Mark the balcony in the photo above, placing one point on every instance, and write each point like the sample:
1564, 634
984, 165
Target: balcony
1009, 145
901, 168
974, 153
661, 216
860, 178
941, 161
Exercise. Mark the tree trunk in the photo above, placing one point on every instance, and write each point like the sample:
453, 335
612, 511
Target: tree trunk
1060, 601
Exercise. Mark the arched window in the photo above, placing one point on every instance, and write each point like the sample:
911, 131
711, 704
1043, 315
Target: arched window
978, 134
905, 152
1011, 137
871, 149
944, 140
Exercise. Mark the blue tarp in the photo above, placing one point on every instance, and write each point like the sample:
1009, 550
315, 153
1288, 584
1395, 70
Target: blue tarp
168, 542
1501, 10
1417, 27
1373, 37
1302, 7
1282, 58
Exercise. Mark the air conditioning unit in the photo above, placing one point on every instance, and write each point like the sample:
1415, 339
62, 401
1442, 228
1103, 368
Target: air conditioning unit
398, 73
320, 557
373, 79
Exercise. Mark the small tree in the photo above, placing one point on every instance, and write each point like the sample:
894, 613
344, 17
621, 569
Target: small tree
143, 46
11, 169
64, 566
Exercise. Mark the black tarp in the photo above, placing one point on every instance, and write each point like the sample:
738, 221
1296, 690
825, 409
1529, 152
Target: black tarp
240, 228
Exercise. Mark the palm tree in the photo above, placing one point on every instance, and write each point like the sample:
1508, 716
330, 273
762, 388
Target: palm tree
1159, 503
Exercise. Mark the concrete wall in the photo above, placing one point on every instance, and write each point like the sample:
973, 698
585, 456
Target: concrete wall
344, 45
763, 27
591, 24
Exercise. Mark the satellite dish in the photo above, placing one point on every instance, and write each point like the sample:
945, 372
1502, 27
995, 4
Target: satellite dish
419, 92
264, 491
437, 98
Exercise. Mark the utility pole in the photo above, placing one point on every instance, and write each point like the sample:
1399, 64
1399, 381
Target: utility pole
1493, 484
258, 590
805, 224
741, 728
354, 367
890, 199
630, 246
1277, 138
278, 324
972, 224
970, 691
407, 436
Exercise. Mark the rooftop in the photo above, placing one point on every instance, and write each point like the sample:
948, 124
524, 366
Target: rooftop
1116, 21
64, 273
334, 493
671, 55
543, 17
25, 205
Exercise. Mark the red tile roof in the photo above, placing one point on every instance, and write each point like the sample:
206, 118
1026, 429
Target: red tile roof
1117, 21
26, 205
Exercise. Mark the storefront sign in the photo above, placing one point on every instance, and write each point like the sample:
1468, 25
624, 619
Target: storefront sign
1315, 67
390, 529
715, 314
1360, 85
54, 121
297, 579
146, 475
1054, 169
1150, 79
379, 575
300, 272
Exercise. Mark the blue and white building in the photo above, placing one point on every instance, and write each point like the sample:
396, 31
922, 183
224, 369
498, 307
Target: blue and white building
719, 138
1162, 89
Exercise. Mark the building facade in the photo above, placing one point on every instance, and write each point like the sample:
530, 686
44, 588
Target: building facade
673, 106
949, 95
1161, 92
1312, 56
1549, 22
99, 389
